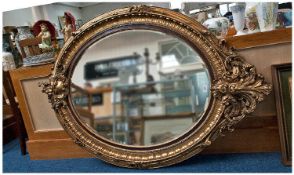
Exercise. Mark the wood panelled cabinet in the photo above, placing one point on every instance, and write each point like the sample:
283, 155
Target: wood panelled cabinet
257, 133
46, 137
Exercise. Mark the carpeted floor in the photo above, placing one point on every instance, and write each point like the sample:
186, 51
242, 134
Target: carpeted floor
261, 162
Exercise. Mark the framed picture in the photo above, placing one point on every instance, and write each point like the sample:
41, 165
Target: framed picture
282, 81
155, 129
109, 68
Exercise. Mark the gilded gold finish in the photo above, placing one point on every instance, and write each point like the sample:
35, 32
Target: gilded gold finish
236, 88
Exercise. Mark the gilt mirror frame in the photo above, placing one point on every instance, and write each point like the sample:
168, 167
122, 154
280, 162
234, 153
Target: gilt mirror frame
235, 89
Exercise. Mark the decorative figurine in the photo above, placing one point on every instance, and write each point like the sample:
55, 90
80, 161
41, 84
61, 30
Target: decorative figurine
69, 25
45, 36
46, 31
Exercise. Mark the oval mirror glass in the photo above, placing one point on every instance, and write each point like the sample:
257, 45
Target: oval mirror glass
140, 87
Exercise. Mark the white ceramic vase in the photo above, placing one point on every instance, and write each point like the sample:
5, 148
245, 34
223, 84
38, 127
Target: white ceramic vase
251, 17
238, 11
267, 13
218, 26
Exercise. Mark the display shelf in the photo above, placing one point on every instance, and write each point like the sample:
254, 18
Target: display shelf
134, 97
260, 39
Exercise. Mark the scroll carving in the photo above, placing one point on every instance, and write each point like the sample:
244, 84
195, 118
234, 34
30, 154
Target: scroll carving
57, 91
239, 89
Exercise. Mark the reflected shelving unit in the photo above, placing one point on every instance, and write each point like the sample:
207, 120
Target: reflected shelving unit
151, 99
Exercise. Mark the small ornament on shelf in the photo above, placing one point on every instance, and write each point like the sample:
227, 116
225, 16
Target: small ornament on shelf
46, 31
69, 25
45, 36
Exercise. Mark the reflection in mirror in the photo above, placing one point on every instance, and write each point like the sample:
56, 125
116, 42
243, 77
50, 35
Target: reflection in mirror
140, 87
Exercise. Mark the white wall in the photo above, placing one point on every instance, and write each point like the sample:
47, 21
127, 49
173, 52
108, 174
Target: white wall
18, 17
48, 12
118, 45
92, 11
51, 12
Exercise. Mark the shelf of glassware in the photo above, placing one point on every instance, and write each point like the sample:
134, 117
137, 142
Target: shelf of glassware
157, 98
166, 97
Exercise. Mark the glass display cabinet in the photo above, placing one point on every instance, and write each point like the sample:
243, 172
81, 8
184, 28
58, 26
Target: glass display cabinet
133, 103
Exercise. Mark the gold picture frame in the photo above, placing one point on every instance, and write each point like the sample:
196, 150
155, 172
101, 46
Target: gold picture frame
235, 88
282, 80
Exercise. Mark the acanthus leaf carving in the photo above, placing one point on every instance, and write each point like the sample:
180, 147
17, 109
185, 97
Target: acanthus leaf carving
57, 90
239, 89
138, 8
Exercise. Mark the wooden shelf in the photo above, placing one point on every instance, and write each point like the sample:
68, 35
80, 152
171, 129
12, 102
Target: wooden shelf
100, 90
260, 39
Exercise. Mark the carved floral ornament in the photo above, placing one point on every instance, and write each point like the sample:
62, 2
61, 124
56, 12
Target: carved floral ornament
236, 88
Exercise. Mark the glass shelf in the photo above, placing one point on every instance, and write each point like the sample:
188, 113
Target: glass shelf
158, 96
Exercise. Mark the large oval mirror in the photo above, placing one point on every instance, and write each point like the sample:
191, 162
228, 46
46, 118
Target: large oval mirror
146, 87
140, 87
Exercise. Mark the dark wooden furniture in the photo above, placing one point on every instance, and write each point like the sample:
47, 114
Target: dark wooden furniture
9, 123
32, 44
13, 125
46, 137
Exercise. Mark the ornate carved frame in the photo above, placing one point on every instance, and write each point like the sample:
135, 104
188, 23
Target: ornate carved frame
236, 88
